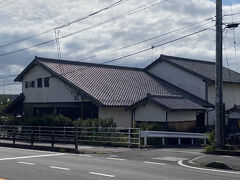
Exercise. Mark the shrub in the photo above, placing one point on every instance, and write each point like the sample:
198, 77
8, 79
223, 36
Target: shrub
211, 140
94, 123
149, 126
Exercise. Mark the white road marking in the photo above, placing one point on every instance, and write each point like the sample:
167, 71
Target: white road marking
61, 168
205, 169
85, 155
100, 174
176, 151
27, 163
191, 161
171, 158
156, 163
35, 156
117, 159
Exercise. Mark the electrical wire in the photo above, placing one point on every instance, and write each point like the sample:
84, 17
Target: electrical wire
132, 54
140, 51
140, 42
64, 25
136, 10
5, 77
8, 4
146, 40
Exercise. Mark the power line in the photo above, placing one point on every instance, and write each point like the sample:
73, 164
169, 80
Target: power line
8, 4
136, 10
136, 43
5, 77
147, 49
10, 84
132, 54
65, 25
141, 51
145, 40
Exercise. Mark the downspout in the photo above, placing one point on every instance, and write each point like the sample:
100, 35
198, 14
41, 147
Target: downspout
206, 98
133, 118
166, 125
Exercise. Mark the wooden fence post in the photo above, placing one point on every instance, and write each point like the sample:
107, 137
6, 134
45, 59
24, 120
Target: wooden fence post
129, 137
32, 138
14, 137
52, 139
76, 139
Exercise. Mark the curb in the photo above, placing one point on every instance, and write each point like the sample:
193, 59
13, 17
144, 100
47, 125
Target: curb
207, 169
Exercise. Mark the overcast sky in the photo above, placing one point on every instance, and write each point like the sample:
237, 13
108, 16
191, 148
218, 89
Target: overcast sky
134, 21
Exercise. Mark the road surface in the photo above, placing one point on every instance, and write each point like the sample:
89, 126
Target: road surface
23, 164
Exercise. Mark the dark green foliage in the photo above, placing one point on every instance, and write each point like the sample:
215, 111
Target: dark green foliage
150, 126
94, 123
211, 140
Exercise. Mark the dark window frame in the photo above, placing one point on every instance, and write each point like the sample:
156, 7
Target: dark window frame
26, 84
46, 82
39, 83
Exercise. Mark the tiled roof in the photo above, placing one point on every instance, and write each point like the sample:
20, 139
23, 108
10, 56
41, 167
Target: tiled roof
111, 85
175, 102
204, 69
235, 108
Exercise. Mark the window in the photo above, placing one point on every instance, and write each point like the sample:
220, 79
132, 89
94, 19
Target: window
46, 82
39, 82
26, 84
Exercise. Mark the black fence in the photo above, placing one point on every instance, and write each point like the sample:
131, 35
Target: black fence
127, 137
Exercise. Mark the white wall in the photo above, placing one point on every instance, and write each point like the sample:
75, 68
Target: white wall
179, 78
231, 96
234, 115
119, 116
56, 92
180, 116
153, 113
150, 112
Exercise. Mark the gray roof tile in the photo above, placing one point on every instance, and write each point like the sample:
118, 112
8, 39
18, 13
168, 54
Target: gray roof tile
203, 68
111, 85
175, 102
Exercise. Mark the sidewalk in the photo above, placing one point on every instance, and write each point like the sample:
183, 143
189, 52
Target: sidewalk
231, 161
84, 149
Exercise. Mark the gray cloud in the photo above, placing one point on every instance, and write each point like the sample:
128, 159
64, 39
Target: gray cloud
28, 17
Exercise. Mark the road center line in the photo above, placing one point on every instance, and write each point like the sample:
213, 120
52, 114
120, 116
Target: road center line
27, 163
117, 159
205, 169
62, 168
35, 156
100, 174
149, 162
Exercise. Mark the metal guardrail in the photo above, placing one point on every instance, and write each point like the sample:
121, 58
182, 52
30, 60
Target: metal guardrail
178, 135
129, 137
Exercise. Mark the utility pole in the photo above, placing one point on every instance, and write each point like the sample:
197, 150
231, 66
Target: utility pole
220, 119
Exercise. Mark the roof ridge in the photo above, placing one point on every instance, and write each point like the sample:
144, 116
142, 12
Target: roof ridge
185, 59
86, 63
165, 96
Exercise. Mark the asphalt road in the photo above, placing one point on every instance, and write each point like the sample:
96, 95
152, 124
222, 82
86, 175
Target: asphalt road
22, 164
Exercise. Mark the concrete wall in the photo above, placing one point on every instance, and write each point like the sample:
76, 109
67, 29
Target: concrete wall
150, 112
234, 115
181, 116
120, 117
153, 113
231, 96
56, 92
179, 78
